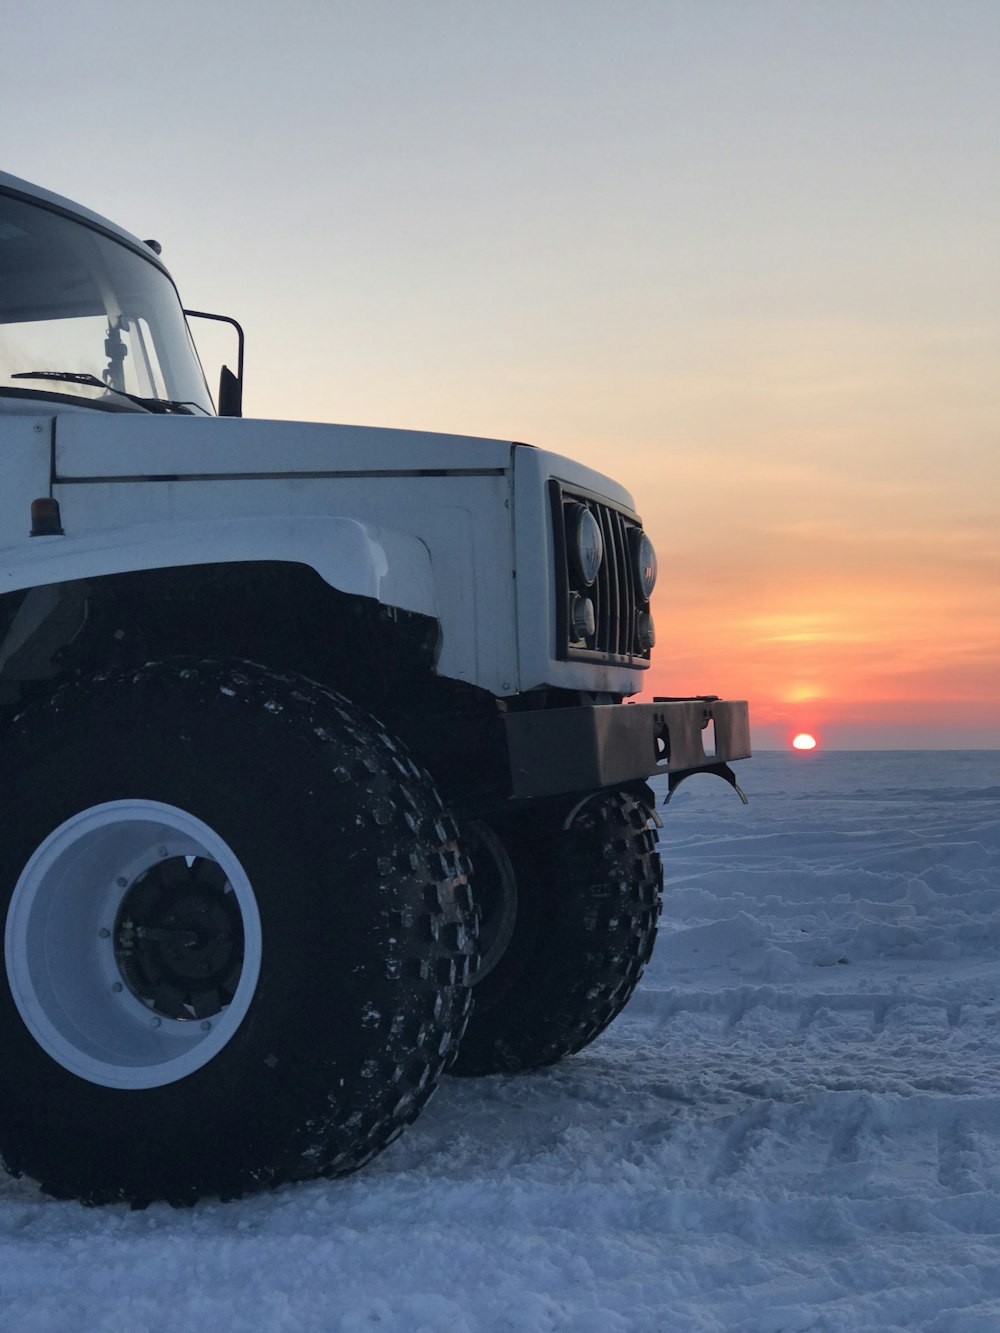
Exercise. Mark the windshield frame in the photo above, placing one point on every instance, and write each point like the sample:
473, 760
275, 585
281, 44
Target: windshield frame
24, 193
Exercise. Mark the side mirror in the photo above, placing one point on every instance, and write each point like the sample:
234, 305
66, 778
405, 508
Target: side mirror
230, 385
230, 394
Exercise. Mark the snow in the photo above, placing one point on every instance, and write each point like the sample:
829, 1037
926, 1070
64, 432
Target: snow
794, 1127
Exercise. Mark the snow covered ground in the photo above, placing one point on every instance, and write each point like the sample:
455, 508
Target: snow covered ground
795, 1126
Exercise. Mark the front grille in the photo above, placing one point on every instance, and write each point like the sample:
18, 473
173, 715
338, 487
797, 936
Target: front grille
615, 594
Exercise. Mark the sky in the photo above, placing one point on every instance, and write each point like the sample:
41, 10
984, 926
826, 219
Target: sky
741, 255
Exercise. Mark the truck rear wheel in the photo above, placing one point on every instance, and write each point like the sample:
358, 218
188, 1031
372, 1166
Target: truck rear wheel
238, 932
587, 903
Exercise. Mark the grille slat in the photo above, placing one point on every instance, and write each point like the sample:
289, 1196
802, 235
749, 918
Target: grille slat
607, 620
626, 600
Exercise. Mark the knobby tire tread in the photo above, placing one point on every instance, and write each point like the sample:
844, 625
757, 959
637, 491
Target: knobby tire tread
386, 850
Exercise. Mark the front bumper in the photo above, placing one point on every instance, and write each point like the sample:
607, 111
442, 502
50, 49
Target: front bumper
557, 750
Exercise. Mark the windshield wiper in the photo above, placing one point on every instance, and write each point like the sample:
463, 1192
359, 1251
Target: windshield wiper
82, 377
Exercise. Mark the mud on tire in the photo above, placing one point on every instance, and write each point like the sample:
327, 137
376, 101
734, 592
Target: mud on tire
238, 935
588, 899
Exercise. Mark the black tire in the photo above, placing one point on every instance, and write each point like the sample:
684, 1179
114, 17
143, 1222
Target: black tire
588, 899
366, 935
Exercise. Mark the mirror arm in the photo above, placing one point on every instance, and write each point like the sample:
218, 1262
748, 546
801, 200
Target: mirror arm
230, 385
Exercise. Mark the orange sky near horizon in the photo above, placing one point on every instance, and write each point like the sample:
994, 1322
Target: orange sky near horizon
848, 585
860, 569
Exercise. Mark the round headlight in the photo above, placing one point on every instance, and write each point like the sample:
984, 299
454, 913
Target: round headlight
645, 565
587, 545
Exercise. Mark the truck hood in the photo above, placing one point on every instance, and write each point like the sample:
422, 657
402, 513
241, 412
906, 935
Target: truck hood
110, 446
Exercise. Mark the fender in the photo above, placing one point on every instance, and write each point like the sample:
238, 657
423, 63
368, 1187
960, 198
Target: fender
391, 567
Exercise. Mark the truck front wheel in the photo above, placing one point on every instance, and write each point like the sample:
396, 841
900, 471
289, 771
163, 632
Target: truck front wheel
238, 932
587, 901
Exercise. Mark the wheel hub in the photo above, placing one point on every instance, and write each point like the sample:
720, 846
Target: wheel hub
179, 938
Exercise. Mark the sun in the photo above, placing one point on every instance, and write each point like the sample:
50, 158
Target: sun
803, 741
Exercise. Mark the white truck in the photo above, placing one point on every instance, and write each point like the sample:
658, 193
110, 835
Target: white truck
317, 777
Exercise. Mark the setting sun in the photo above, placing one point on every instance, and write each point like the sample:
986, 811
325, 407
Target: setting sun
804, 741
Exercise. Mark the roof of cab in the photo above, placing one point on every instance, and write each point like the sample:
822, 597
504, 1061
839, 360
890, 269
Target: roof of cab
26, 190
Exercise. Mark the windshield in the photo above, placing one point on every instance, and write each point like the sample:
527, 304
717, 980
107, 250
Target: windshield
76, 304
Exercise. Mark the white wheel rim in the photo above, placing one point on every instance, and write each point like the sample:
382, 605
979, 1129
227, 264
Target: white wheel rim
64, 958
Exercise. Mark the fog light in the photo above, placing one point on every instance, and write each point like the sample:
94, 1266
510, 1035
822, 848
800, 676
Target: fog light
645, 631
582, 618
